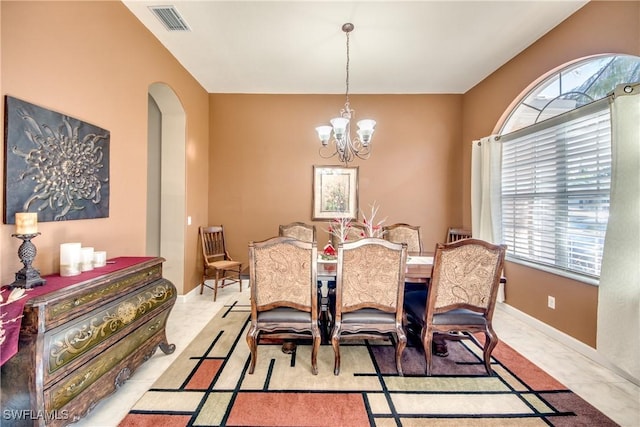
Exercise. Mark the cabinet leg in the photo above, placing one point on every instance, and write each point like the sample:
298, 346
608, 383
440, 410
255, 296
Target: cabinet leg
166, 347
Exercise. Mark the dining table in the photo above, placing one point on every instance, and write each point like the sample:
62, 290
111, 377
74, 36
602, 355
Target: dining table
418, 268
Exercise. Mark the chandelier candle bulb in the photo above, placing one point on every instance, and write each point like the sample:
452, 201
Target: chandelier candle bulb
324, 133
365, 130
26, 223
86, 259
70, 258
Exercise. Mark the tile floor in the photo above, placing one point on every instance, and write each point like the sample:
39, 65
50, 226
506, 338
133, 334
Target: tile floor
604, 389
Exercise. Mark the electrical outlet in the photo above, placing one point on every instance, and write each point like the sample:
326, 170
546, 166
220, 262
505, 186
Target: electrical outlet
551, 302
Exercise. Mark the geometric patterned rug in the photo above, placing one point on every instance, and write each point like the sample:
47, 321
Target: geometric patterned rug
208, 385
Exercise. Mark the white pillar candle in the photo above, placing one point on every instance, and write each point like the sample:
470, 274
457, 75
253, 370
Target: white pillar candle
26, 223
70, 259
99, 259
86, 259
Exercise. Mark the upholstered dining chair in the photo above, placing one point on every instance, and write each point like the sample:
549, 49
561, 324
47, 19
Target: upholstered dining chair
218, 264
298, 230
404, 233
307, 233
412, 236
369, 294
284, 293
356, 232
455, 233
462, 296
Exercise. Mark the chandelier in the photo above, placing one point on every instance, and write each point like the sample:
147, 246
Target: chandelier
339, 133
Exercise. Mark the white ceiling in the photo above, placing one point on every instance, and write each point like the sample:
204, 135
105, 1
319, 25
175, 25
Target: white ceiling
397, 47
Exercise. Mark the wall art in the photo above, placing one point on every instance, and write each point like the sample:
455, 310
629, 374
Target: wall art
55, 165
335, 192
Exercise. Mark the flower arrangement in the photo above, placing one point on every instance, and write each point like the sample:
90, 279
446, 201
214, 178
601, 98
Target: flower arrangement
340, 229
372, 228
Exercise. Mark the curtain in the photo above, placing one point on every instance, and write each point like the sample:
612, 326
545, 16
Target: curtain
618, 333
486, 171
486, 168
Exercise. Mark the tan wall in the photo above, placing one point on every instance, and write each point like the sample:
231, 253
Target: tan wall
599, 27
263, 148
95, 61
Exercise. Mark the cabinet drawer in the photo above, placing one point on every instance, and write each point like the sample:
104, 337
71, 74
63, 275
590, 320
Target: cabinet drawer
71, 386
65, 344
81, 302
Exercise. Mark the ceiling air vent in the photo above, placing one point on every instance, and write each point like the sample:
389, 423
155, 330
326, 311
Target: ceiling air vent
170, 18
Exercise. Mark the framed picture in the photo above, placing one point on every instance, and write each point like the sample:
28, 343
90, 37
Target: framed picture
335, 192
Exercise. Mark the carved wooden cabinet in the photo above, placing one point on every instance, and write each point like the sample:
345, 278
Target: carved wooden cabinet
79, 344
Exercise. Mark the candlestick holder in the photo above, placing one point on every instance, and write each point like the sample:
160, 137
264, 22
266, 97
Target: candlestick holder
28, 277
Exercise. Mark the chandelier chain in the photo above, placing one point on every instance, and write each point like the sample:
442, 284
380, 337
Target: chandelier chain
347, 82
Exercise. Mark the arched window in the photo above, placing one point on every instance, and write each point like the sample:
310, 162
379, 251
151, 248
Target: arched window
556, 167
572, 87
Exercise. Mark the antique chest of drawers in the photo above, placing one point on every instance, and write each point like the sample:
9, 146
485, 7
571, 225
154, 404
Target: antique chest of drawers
79, 344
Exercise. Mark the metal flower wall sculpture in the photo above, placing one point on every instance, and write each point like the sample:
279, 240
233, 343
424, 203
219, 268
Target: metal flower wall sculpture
59, 170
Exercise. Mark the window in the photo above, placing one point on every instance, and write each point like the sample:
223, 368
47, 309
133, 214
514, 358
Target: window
555, 191
556, 168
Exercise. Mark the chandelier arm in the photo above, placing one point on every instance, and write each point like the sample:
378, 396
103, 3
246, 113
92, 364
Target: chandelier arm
323, 149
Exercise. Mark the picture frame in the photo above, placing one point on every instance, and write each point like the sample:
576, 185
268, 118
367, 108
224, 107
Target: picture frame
335, 192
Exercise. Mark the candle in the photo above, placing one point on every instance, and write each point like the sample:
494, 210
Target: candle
70, 259
26, 223
86, 259
99, 259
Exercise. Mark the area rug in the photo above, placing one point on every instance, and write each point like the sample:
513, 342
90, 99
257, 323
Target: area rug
208, 385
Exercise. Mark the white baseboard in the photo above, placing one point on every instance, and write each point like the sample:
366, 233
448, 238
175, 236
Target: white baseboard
195, 292
566, 340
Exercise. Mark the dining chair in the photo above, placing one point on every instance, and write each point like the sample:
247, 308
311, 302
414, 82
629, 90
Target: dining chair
456, 233
461, 298
307, 233
404, 233
217, 263
412, 236
369, 294
284, 293
356, 231
298, 230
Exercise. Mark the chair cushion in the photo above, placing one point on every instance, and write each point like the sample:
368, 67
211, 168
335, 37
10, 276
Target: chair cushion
222, 265
459, 316
368, 316
284, 315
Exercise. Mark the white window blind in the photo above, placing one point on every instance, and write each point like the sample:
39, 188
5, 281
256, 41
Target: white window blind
556, 178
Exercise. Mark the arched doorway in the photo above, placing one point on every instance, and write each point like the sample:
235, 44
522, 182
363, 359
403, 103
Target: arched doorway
166, 182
